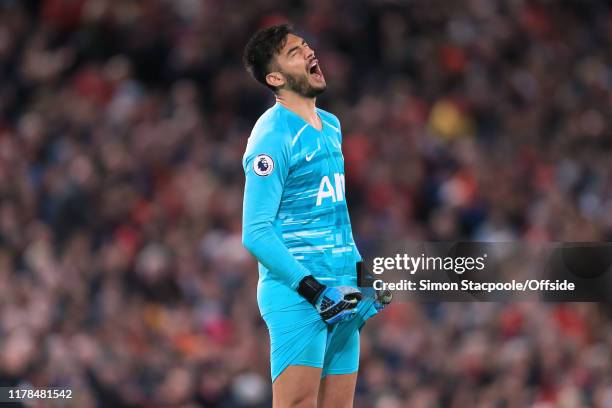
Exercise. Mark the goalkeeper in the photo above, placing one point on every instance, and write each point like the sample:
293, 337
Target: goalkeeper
296, 223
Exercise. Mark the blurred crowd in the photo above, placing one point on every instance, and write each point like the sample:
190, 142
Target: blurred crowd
122, 128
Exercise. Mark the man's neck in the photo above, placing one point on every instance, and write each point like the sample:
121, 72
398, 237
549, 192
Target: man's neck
303, 107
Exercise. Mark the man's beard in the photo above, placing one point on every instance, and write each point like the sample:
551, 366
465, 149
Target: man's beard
301, 86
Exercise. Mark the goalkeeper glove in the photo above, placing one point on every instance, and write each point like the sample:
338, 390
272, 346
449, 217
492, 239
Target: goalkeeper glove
334, 304
383, 298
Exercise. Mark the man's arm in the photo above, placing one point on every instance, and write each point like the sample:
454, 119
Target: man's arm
336, 123
266, 165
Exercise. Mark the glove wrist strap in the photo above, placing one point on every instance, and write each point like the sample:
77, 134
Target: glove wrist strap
310, 289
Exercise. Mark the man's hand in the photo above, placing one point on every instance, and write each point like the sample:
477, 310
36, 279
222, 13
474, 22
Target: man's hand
338, 303
383, 298
334, 304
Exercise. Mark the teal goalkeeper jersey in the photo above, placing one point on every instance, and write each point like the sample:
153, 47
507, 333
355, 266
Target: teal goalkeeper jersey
295, 217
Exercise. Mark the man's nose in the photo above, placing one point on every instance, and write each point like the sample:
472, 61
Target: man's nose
309, 53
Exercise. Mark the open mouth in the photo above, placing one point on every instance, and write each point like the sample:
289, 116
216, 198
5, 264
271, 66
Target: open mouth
314, 70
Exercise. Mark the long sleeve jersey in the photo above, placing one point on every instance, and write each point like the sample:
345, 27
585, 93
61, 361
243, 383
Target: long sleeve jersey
295, 217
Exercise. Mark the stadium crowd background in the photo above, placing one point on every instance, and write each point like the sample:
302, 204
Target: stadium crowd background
122, 127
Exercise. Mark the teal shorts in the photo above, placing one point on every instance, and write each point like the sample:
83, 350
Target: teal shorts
298, 336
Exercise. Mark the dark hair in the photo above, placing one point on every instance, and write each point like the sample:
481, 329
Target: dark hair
261, 49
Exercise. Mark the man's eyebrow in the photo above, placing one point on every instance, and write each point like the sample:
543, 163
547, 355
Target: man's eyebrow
295, 48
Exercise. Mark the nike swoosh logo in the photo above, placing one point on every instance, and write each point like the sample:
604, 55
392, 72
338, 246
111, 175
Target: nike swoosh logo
310, 156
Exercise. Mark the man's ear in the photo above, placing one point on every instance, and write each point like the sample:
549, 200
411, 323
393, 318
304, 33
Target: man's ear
275, 79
